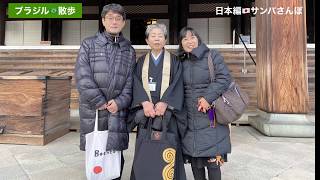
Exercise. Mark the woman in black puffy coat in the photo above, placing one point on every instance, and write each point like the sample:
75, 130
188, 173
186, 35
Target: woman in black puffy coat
204, 144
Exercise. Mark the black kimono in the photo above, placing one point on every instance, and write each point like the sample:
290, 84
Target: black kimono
173, 95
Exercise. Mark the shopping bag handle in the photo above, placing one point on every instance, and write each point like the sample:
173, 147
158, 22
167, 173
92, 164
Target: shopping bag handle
164, 122
96, 120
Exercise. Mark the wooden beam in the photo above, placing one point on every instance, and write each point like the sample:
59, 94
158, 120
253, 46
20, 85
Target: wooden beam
95, 2
314, 20
97, 17
246, 18
101, 3
141, 2
45, 30
84, 3
55, 33
173, 21
235, 20
129, 16
2, 22
183, 13
310, 21
207, 1
148, 15
205, 15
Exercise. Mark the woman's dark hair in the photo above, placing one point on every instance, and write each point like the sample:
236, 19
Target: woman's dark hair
183, 33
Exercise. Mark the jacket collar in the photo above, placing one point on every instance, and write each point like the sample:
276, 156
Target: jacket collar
200, 51
104, 38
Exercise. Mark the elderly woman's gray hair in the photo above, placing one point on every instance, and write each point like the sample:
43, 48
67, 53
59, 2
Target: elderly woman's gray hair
117, 8
162, 27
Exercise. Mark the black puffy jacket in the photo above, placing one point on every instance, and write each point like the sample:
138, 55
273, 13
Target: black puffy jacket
200, 140
103, 72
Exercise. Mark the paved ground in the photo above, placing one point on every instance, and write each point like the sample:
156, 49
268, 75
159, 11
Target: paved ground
254, 157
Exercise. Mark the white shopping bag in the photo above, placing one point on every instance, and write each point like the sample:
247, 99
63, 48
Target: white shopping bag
101, 164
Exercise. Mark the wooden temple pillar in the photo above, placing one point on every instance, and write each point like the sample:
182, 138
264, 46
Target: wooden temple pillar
282, 77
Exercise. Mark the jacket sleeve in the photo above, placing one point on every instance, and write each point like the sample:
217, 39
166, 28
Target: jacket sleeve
124, 99
88, 89
222, 78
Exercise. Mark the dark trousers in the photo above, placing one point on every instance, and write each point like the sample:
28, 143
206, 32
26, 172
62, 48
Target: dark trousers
214, 173
122, 164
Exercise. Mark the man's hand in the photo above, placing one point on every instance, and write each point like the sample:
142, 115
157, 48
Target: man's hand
103, 107
148, 108
161, 108
203, 105
112, 106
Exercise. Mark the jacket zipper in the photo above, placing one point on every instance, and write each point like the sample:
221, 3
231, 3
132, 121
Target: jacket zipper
194, 141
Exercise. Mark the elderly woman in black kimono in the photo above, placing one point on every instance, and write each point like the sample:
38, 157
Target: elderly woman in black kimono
158, 92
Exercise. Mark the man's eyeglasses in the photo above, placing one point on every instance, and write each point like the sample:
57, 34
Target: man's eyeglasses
117, 18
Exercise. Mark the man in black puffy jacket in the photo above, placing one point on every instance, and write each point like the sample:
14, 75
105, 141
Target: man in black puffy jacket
103, 75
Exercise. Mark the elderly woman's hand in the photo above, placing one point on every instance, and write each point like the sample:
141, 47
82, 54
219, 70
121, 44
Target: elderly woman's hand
203, 105
161, 108
148, 108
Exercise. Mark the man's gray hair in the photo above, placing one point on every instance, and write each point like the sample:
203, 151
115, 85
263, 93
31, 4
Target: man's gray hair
117, 8
162, 27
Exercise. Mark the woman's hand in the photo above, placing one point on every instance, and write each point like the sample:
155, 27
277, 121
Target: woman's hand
203, 105
219, 160
148, 109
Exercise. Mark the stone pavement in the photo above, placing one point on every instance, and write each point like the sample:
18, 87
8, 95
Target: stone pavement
254, 157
